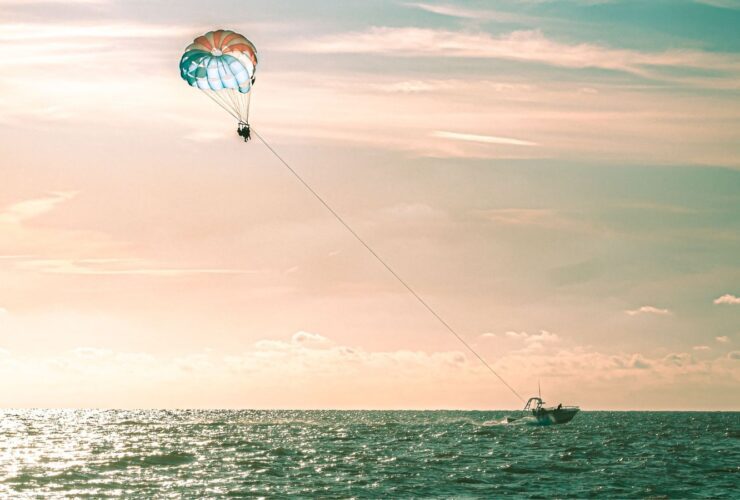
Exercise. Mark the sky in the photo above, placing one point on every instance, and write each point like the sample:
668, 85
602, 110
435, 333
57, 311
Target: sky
559, 180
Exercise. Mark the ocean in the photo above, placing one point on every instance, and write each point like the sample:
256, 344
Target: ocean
391, 454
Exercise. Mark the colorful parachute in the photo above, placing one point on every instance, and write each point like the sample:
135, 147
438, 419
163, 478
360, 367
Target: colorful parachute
222, 64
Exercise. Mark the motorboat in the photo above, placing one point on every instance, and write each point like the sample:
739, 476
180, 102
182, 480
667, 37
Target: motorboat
553, 415
548, 415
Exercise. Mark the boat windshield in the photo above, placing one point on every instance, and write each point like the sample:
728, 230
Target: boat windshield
533, 404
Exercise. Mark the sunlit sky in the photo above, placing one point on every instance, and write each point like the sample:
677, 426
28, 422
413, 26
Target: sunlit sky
560, 180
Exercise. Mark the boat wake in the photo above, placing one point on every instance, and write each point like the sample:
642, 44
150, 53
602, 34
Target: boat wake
514, 421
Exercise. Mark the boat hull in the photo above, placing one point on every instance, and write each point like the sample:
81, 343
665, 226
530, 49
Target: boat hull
555, 416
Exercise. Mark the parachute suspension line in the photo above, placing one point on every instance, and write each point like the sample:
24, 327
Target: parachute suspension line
234, 98
380, 259
247, 100
228, 96
211, 96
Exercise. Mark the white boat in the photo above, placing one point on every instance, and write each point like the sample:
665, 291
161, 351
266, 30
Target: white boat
547, 416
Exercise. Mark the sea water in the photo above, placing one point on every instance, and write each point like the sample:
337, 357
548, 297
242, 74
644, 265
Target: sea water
201, 454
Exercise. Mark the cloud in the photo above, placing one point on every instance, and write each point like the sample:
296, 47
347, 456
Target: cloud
526, 46
307, 338
92, 352
521, 216
648, 310
36, 32
639, 362
679, 359
296, 373
29, 209
727, 299
118, 267
446, 10
701, 348
486, 139
316, 352
534, 341
415, 86
458, 12
724, 339
488, 335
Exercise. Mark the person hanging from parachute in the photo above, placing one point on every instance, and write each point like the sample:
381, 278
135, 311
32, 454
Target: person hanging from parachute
243, 131
222, 64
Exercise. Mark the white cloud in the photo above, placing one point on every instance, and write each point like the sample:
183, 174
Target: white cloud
456, 11
648, 310
117, 267
27, 32
307, 338
724, 339
292, 373
727, 299
92, 352
414, 86
486, 139
701, 348
534, 339
521, 216
29, 209
531, 46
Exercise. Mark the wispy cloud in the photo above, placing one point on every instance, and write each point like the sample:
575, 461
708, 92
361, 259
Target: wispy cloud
27, 32
456, 11
658, 207
648, 310
724, 339
29, 209
486, 139
117, 267
521, 216
308, 338
727, 299
546, 218
534, 341
528, 45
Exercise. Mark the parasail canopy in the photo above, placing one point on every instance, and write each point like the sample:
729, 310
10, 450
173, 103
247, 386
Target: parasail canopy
222, 64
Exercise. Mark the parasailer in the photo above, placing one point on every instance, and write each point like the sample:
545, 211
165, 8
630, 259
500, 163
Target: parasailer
244, 131
222, 64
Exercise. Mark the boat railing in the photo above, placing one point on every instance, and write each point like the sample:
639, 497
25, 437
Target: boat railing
534, 404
